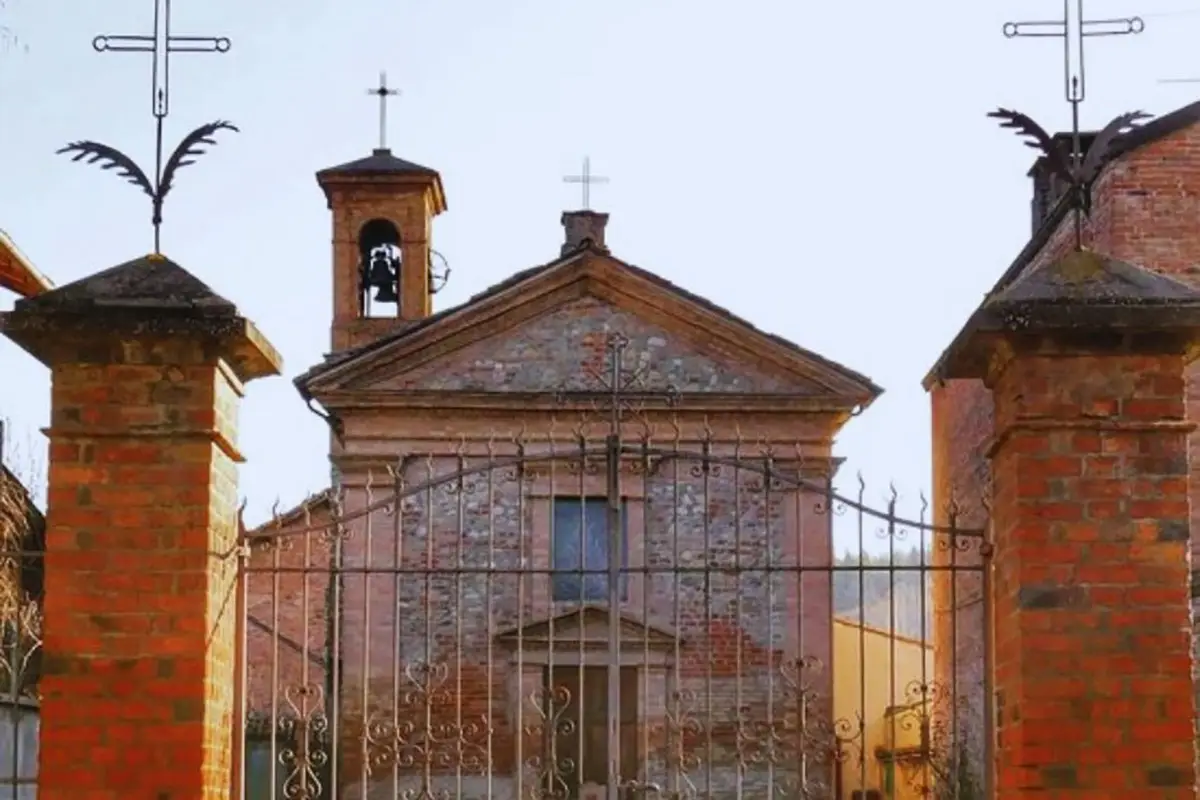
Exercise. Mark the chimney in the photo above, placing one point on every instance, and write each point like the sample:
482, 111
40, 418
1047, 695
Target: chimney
584, 226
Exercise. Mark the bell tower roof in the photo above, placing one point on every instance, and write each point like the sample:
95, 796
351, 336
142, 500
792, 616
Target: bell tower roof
380, 161
385, 169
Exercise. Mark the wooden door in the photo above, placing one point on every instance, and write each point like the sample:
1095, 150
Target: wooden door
582, 744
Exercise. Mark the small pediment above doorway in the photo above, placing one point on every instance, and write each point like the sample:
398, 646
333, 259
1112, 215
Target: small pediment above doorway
586, 628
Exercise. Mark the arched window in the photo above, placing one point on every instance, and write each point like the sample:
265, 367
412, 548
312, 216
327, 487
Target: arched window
379, 259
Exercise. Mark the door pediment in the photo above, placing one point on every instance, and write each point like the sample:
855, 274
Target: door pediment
587, 627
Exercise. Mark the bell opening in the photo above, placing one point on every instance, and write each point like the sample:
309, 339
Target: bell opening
379, 269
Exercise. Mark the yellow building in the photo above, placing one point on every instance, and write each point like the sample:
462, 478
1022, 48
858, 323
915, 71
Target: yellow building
881, 712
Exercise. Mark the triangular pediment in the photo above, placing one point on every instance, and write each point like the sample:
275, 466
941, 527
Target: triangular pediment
544, 331
587, 625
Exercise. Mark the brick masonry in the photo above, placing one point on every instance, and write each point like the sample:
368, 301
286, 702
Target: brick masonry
139, 634
1091, 526
1143, 207
564, 348
148, 367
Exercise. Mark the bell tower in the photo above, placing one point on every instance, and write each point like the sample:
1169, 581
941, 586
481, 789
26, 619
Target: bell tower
383, 207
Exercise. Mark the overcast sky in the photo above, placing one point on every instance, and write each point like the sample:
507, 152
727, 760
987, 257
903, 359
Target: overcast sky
824, 170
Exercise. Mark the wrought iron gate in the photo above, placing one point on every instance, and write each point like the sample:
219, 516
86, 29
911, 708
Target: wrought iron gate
604, 610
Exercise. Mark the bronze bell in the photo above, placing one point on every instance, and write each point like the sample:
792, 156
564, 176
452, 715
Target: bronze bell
383, 277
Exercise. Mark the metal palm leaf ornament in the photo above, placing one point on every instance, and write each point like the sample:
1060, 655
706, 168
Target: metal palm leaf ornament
1078, 170
160, 45
110, 158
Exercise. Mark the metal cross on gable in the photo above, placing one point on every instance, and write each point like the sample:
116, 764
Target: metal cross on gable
617, 391
161, 44
383, 93
586, 178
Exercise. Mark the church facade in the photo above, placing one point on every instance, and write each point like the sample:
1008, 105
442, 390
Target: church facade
579, 540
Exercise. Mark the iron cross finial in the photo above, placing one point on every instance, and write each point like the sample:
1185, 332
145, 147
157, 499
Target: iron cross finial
586, 178
383, 93
161, 44
1073, 29
1077, 168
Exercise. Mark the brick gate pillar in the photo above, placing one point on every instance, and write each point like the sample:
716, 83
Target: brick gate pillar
147, 369
1091, 621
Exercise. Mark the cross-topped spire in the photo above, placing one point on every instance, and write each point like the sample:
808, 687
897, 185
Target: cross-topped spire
586, 178
383, 93
1078, 169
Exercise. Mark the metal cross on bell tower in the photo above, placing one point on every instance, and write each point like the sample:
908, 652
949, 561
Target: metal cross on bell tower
383, 93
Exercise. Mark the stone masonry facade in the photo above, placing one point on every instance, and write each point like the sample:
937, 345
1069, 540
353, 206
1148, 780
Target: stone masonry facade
445, 636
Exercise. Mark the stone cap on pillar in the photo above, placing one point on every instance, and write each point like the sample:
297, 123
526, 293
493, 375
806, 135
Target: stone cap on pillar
151, 297
1086, 296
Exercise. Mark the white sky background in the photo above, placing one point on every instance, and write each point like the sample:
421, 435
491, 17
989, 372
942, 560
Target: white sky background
824, 170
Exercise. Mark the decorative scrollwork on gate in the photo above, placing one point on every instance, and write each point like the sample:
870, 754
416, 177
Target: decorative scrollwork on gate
303, 727
550, 769
682, 730
417, 735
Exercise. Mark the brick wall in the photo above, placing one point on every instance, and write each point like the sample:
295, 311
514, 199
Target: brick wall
1091, 524
565, 348
130, 517
1144, 208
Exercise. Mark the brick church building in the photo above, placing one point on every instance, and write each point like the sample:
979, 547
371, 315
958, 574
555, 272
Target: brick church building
490, 631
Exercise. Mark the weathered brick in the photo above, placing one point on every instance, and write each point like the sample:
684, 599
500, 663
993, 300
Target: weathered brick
1143, 205
138, 624
1094, 583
